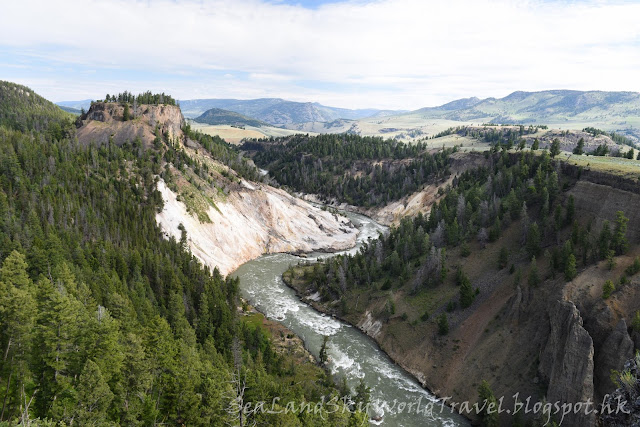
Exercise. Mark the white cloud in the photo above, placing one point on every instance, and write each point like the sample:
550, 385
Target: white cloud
387, 53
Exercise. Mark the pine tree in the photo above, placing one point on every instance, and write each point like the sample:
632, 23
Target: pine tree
94, 396
631, 154
323, 357
58, 332
571, 210
604, 240
17, 318
362, 397
503, 258
536, 145
534, 276
489, 405
443, 324
579, 150
467, 294
533, 240
125, 114
555, 148
619, 241
570, 271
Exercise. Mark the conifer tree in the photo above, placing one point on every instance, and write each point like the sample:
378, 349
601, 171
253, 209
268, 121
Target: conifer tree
536, 145
94, 396
555, 148
619, 241
570, 270
489, 405
579, 150
534, 276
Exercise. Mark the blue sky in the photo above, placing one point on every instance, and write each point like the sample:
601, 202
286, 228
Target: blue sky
401, 54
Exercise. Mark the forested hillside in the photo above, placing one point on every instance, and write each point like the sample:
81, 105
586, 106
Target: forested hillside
218, 116
23, 109
105, 322
477, 208
362, 171
481, 281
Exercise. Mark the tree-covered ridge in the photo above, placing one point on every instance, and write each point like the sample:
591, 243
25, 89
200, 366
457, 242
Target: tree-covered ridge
143, 98
102, 320
474, 211
618, 138
218, 116
363, 171
24, 110
227, 154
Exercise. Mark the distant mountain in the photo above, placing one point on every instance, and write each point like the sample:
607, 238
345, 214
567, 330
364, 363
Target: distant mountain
277, 111
218, 116
611, 110
531, 107
70, 110
76, 105
23, 109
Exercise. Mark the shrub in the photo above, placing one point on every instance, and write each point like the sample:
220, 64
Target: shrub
465, 251
633, 268
635, 323
608, 289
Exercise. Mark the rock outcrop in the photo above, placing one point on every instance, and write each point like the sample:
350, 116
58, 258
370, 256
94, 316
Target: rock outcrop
613, 352
567, 362
105, 121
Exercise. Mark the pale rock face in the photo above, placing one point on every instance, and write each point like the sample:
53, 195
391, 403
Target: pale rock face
370, 326
256, 220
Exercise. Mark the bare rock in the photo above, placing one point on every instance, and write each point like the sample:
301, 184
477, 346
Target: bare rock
566, 362
615, 350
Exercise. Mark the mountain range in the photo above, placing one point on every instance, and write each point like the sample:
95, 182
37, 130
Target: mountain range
540, 107
278, 112
616, 111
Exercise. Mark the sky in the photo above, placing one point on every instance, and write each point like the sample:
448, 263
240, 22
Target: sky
389, 54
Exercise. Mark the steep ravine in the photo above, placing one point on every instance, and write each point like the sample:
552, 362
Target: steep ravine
556, 342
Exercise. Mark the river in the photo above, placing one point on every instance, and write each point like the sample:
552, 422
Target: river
352, 354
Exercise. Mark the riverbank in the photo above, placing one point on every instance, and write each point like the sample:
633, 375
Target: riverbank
353, 355
284, 340
309, 295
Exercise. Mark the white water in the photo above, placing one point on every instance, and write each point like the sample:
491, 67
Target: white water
352, 354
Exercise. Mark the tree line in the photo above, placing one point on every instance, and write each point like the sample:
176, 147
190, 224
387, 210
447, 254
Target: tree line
362, 171
143, 98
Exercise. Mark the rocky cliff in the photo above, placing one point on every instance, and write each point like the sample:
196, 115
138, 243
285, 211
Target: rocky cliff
105, 121
566, 363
